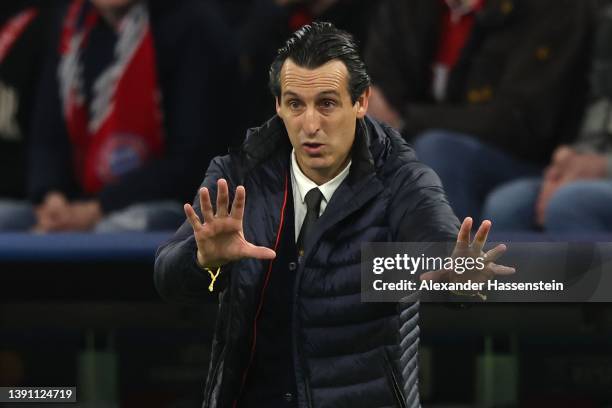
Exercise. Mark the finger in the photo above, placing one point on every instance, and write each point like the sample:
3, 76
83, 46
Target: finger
501, 269
222, 198
257, 252
238, 204
495, 253
192, 217
463, 238
481, 235
434, 276
206, 205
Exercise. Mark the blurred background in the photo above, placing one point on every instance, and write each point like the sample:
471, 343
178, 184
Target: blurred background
111, 110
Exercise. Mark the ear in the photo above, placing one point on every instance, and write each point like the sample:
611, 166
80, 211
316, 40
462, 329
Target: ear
278, 107
362, 103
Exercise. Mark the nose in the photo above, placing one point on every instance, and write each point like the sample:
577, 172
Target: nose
312, 122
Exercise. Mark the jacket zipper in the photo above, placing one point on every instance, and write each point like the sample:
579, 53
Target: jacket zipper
308, 397
258, 310
214, 376
397, 390
222, 356
299, 360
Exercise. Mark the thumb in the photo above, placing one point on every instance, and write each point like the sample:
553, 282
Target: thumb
259, 252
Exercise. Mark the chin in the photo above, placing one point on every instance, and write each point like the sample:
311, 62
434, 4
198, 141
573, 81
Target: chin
317, 163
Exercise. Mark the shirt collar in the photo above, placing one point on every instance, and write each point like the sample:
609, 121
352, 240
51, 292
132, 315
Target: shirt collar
304, 184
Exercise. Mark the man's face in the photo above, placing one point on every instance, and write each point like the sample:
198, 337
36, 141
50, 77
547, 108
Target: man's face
320, 118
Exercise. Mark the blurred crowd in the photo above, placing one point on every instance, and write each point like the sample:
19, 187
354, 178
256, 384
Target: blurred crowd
110, 110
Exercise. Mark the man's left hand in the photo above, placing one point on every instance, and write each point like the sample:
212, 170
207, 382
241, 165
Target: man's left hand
466, 249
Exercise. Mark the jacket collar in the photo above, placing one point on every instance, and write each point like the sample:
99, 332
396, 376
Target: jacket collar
269, 145
362, 184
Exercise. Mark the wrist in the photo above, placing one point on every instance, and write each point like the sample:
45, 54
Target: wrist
200, 260
206, 263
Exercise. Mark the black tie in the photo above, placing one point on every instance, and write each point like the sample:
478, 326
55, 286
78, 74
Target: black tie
313, 204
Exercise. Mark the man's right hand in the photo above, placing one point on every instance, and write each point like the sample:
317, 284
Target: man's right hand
220, 237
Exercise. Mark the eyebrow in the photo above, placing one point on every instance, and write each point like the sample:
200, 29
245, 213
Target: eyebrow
324, 93
334, 93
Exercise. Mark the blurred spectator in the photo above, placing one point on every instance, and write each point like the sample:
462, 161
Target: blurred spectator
575, 192
126, 114
262, 26
23, 35
486, 88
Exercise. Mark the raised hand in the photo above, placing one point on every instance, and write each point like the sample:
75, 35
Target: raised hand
220, 237
473, 250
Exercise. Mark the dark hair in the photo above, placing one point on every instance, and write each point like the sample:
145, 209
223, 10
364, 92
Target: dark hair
314, 45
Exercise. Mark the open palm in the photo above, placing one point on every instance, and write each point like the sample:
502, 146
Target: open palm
466, 249
220, 238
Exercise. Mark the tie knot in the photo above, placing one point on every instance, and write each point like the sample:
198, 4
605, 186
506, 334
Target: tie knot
313, 200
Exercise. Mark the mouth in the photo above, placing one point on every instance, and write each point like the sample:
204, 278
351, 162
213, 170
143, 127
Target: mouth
313, 149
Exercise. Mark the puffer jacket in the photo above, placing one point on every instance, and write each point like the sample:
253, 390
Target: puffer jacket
346, 353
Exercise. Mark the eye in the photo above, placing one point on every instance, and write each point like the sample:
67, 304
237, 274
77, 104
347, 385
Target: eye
294, 104
328, 103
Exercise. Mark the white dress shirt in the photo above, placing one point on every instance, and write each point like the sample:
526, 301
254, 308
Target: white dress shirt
302, 185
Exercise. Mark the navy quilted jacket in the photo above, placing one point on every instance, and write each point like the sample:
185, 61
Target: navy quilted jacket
346, 353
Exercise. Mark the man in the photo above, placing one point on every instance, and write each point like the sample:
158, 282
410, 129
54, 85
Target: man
122, 121
476, 82
574, 193
322, 178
